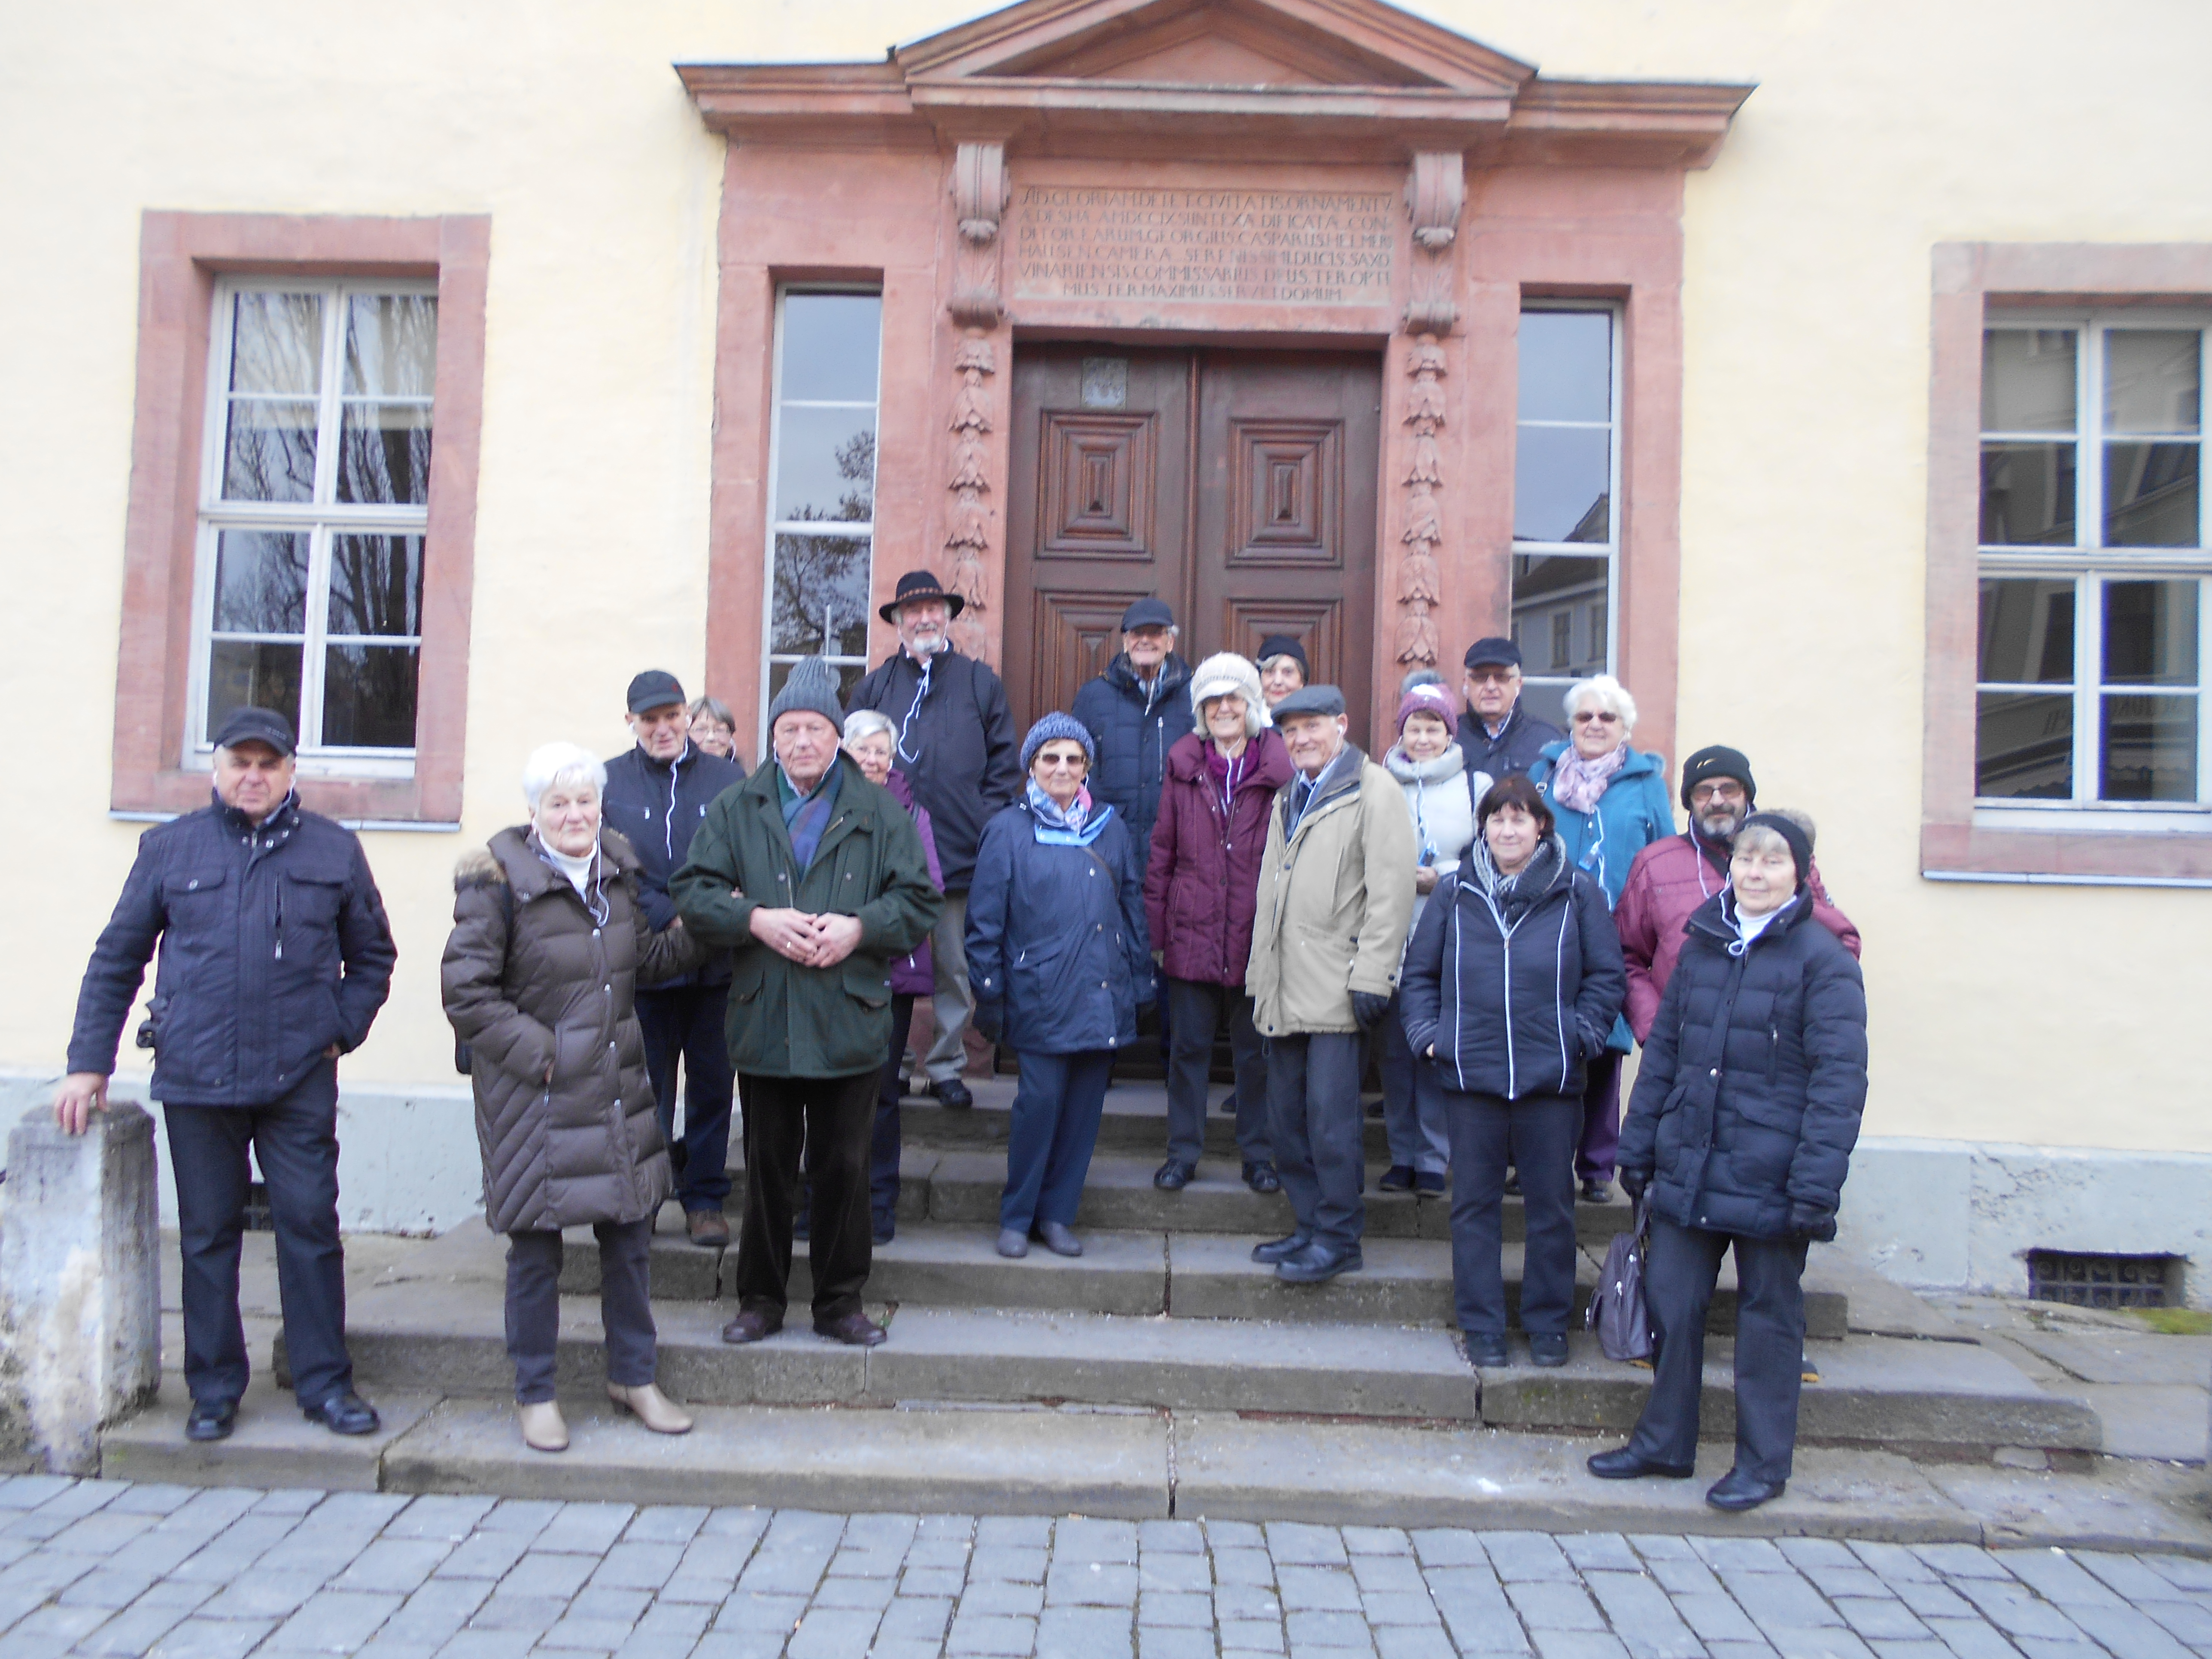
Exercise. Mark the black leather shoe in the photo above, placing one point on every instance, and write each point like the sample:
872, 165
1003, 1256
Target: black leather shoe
1281, 1249
952, 1094
212, 1420
1430, 1184
1398, 1178
1623, 1463
1317, 1264
1597, 1192
1173, 1175
1485, 1350
1737, 1491
344, 1413
1262, 1178
854, 1330
750, 1326
1547, 1348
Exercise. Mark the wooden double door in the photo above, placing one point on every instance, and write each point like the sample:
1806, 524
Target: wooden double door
1238, 486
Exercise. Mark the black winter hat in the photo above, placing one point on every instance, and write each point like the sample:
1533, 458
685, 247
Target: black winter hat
1285, 644
1718, 761
1800, 844
656, 688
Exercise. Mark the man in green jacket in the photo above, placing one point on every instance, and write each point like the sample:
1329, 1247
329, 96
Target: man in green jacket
816, 879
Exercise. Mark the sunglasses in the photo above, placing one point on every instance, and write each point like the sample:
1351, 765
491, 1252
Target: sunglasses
1606, 717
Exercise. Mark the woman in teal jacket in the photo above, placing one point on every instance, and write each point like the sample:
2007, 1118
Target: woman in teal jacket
1610, 802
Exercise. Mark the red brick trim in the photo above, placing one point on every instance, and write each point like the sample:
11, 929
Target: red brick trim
181, 256
1970, 279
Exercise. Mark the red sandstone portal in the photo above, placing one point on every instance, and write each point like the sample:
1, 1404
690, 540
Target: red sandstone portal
1248, 175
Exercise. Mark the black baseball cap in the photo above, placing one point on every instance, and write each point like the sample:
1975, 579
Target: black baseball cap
1493, 652
656, 688
1147, 613
257, 725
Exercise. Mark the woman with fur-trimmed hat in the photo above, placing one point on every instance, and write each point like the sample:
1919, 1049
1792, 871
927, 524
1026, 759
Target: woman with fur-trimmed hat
1201, 889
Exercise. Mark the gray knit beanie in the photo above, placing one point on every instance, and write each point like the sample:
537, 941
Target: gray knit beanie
1053, 728
812, 686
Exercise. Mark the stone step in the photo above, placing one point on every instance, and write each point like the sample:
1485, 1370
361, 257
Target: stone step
1135, 1121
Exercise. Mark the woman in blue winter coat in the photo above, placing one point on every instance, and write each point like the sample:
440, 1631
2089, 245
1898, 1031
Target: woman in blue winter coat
1058, 958
1745, 1110
1512, 981
1610, 802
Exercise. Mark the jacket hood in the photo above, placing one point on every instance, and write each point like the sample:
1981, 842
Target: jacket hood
1175, 674
1451, 764
506, 859
1271, 760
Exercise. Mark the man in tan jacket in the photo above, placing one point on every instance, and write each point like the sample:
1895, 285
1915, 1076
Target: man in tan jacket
1336, 896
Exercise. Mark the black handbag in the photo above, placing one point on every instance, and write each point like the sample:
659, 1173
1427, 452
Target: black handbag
1617, 1312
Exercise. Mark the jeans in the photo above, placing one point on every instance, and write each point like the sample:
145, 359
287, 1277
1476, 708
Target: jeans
687, 1022
1195, 1012
1057, 1106
833, 1120
1600, 1137
295, 1138
1679, 1273
1413, 1116
1535, 1134
534, 1306
1315, 1115
884, 1143
955, 1002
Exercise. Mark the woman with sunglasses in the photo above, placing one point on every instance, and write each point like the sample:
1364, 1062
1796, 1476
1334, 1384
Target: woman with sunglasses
1610, 802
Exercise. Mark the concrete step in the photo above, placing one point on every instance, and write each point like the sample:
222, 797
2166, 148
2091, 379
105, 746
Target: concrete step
1135, 1121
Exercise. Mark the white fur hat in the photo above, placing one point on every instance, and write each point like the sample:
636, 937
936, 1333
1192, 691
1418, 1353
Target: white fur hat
1227, 671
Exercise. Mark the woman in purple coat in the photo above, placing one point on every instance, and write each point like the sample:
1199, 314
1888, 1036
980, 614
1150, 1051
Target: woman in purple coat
869, 740
1202, 887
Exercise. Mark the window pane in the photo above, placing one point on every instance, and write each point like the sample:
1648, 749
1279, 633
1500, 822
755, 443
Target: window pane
2150, 495
825, 465
245, 673
2151, 380
2024, 745
276, 343
1545, 699
261, 582
1559, 599
2028, 379
1566, 366
849, 676
2150, 749
384, 453
821, 591
831, 346
391, 345
1562, 478
376, 585
269, 453
2150, 633
369, 697
2028, 632
2027, 494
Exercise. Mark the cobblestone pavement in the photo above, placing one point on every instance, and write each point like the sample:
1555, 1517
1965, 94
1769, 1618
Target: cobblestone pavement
109, 1568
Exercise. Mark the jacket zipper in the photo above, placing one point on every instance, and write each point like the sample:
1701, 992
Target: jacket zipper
280, 918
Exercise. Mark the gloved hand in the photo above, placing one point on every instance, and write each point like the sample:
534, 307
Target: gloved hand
1592, 1040
1812, 1221
1634, 1182
1368, 1008
989, 1019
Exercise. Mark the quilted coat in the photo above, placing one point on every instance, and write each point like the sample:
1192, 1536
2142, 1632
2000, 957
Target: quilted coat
1202, 882
1134, 731
1747, 1101
532, 979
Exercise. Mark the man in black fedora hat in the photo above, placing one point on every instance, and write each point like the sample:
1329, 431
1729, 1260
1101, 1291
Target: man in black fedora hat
957, 748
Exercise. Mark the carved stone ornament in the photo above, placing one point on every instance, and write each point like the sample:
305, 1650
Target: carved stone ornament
1419, 578
968, 529
1435, 190
980, 191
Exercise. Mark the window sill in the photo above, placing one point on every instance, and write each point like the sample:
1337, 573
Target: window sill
2061, 851
379, 802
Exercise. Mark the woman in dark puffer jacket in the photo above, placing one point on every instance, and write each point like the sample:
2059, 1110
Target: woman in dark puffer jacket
1513, 979
1746, 1110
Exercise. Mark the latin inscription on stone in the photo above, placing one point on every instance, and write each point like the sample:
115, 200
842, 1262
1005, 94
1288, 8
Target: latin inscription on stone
1255, 247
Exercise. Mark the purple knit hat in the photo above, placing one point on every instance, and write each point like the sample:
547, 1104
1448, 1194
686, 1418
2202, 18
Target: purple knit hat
1428, 700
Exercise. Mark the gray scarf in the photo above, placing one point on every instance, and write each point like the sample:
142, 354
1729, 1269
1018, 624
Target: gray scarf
1513, 895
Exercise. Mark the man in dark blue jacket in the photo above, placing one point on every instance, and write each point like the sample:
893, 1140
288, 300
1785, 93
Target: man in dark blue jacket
1495, 734
657, 792
275, 958
1134, 712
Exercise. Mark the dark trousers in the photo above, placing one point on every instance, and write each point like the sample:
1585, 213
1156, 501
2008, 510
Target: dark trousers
1413, 1115
832, 1119
295, 1139
883, 1144
1600, 1137
534, 1306
1534, 1134
1057, 1106
1315, 1116
687, 1021
1680, 1271
1194, 1011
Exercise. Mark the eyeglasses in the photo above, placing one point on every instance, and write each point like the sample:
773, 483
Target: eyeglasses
1059, 762
1493, 676
1603, 716
1705, 794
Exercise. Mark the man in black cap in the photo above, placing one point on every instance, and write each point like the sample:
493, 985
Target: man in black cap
1495, 734
1134, 712
657, 792
275, 958
957, 748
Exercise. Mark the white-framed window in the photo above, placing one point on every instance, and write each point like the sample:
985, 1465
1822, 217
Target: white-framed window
2096, 623
822, 490
314, 502
1566, 478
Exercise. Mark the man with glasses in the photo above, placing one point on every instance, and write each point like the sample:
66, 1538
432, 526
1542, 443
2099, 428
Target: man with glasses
1495, 734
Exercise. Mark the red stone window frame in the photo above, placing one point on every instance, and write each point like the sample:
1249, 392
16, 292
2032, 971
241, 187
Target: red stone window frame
1972, 280
181, 257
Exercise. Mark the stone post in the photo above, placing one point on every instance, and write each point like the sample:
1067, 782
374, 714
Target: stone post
80, 1278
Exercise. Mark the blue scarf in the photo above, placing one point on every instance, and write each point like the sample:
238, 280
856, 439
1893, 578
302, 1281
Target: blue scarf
806, 816
1079, 826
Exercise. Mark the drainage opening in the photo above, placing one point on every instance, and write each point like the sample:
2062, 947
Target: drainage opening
2103, 1281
